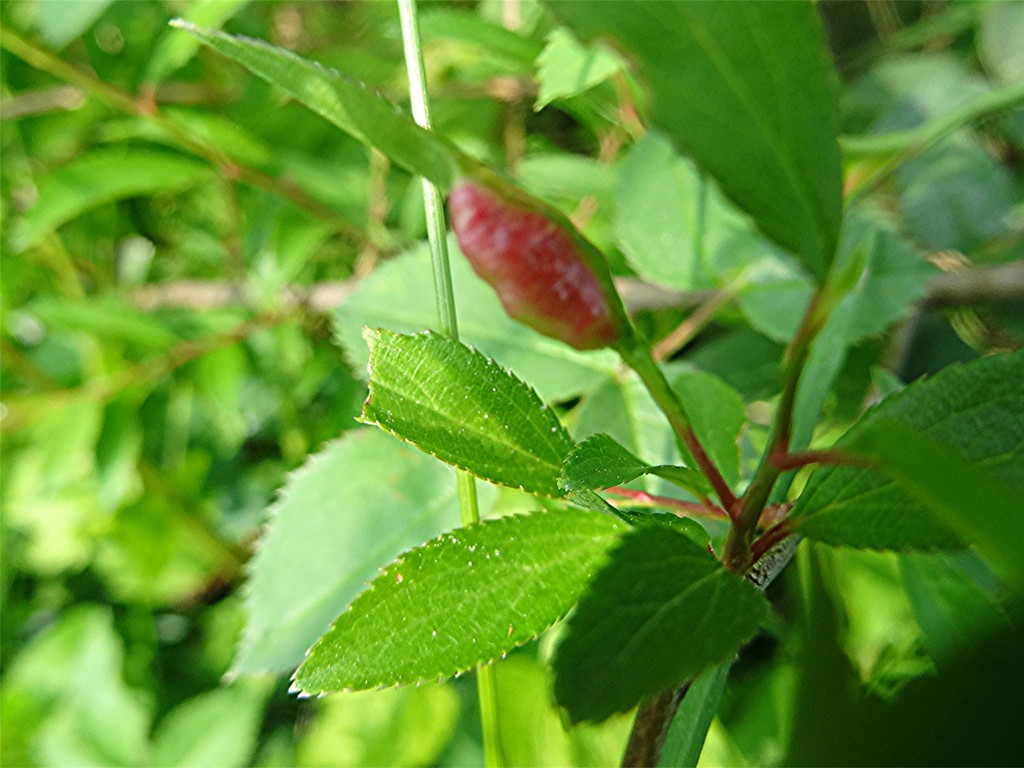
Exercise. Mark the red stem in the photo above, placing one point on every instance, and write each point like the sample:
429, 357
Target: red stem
769, 539
693, 508
800, 459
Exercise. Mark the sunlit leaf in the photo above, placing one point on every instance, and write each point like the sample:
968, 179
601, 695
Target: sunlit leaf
465, 409
461, 600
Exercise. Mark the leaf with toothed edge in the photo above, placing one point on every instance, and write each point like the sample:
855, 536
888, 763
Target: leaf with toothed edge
660, 610
453, 403
461, 600
349, 510
601, 462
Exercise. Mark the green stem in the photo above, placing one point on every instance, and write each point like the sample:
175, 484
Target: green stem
448, 323
637, 355
737, 555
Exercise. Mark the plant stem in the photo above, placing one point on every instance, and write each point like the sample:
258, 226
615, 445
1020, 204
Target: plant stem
637, 355
486, 680
737, 555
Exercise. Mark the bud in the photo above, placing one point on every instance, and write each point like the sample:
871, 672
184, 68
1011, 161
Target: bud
536, 267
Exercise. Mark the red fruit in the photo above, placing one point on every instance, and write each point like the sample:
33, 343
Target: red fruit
534, 265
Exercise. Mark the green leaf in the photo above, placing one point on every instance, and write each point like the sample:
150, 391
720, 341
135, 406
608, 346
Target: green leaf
348, 104
173, 51
397, 726
494, 39
600, 462
717, 414
99, 177
748, 91
660, 202
894, 277
974, 410
461, 600
452, 402
216, 729
71, 676
393, 297
662, 609
983, 508
952, 608
567, 68
689, 727
62, 21
107, 318
336, 522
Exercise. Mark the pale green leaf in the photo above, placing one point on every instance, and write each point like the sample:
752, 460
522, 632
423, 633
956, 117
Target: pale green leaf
336, 522
717, 414
461, 600
216, 729
567, 68
452, 402
661, 610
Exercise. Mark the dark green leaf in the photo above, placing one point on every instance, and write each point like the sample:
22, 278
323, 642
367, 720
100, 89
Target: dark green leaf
979, 505
747, 90
337, 521
348, 104
974, 410
452, 402
661, 610
600, 462
461, 600
953, 610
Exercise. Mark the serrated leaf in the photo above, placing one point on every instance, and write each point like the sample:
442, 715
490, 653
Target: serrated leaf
662, 609
981, 507
600, 462
102, 176
746, 89
461, 600
567, 68
350, 510
393, 297
172, 51
453, 403
348, 104
976, 410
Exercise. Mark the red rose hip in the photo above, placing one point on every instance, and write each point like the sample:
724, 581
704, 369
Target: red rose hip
534, 265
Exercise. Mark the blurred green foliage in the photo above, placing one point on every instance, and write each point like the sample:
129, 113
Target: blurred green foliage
188, 257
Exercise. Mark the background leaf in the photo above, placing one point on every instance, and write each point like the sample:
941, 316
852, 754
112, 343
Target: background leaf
452, 402
350, 105
566, 68
461, 600
102, 176
393, 297
972, 409
334, 525
662, 609
747, 90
